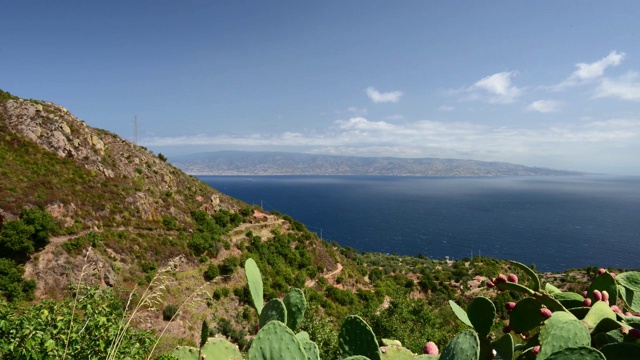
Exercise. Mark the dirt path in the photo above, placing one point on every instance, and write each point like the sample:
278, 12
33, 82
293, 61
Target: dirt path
328, 276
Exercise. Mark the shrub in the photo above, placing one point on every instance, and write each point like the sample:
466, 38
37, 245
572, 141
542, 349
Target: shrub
212, 272
169, 312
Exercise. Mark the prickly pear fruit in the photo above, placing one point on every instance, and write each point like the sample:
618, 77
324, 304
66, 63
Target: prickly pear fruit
635, 333
545, 313
597, 295
586, 302
512, 278
616, 309
536, 350
584, 294
506, 329
430, 348
605, 296
601, 271
502, 278
490, 284
510, 305
624, 330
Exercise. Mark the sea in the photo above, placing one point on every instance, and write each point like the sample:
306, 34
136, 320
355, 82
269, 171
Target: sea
556, 223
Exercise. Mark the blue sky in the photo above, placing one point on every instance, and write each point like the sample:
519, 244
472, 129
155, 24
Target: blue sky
540, 83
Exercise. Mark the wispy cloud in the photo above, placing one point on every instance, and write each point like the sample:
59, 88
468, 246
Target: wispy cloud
626, 87
545, 106
386, 97
446, 108
497, 88
586, 72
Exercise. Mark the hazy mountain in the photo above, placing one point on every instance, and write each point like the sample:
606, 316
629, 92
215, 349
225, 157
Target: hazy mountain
283, 163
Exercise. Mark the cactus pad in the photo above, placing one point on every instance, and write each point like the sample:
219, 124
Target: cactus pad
460, 313
296, 305
535, 280
504, 347
186, 353
220, 349
357, 338
604, 282
561, 331
575, 353
600, 310
465, 345
274, 310
254, 281
482, 313
621, 351
525, 316
276, 341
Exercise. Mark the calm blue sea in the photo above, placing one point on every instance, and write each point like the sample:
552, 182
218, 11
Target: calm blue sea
553, 222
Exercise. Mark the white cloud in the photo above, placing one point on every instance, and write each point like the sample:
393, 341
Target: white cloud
360, 123
380, 97
499, 87
545, 106
446, 108
626, 87
589, 71
357, 111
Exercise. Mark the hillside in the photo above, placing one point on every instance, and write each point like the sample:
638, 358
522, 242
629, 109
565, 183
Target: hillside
281, 163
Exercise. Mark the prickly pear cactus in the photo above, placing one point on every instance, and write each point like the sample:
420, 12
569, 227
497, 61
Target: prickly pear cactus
504, 347
274, 310
465, 345
220, 349
394, 352
481, 313
525, 316
186, 353
460, 313
575, 353
561, 331
604, 282
357, 338
296, 305
254, 281
621, 351
599, 311
535, 280
275, 341
629, 289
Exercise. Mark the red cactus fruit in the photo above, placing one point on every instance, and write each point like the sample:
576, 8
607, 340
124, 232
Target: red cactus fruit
601, 271
545, 313
597, 295
616, 309
586, 302
624, 330
512, 278
628, 313
635, 333
502, 278
605, 295
536, 350
510, 305
613, 275
490, 284
430, 348
506, 329
584, 294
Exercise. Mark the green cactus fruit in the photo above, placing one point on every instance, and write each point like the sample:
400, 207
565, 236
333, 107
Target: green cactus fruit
535, 280
394, 352
600, 310
621, 351
525, 316
569, 299
254, 281
561, 331
575, 353
465, 345
509, 286
220, 349
604, 282
186, 353
276, 341
460, 313
357, 338
274, 310
631, 298
504, 347
481, 313
296, 305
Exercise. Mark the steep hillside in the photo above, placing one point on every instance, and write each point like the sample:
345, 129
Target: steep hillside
87, 176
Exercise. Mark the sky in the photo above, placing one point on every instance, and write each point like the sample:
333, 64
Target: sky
547, 83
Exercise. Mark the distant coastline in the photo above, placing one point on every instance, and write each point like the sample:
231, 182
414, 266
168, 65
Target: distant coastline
241, 163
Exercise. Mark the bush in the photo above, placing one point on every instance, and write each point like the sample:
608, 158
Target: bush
169, 312
212, 272
229, 265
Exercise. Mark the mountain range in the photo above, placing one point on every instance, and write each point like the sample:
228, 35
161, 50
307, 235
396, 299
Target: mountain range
284, 163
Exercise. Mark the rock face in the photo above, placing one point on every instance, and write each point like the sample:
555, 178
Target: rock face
147, 188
